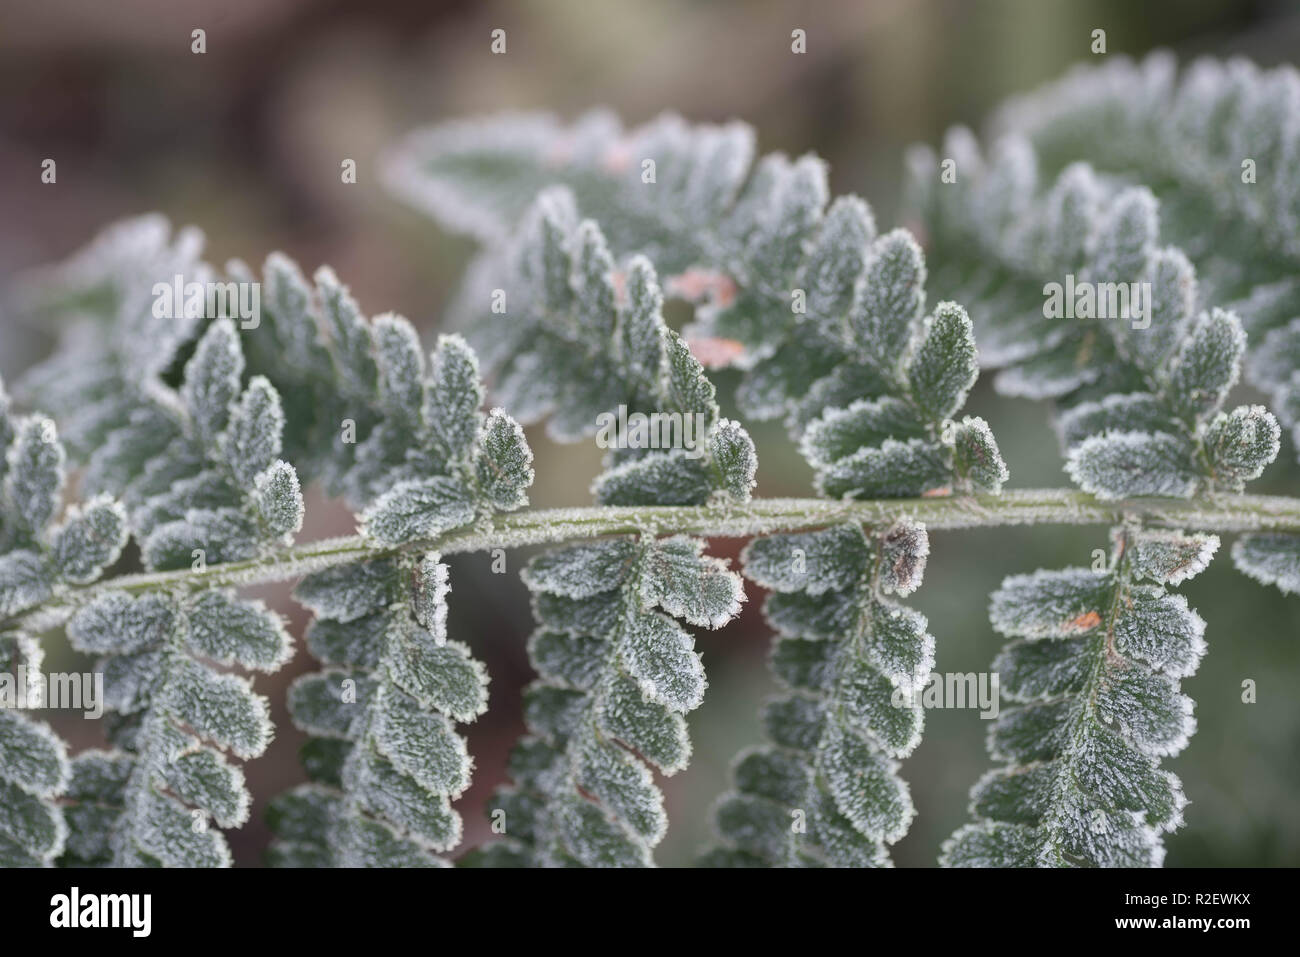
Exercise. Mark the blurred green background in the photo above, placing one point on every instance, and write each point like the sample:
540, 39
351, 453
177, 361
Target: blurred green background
246, 142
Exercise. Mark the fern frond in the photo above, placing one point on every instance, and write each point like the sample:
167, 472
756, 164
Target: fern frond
583, 344
1143, 402
617, 678
823, 317
34, 769
385, 755
39, 559
898, 439
202, 480
1095, 669
480, 176
159, 796
1218, 145
368, 411
111, 347
826, 790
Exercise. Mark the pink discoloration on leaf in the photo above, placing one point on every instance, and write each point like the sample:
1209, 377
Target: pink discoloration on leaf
716, 353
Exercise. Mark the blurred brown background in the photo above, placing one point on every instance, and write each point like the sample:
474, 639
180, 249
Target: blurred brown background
246, 141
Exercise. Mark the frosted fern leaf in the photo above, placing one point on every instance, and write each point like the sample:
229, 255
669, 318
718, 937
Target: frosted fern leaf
616, 679
1094, 668
42, 554
1192, 135
581, 342
160, 796
1144, 387
825, 791
787, 288
385, 757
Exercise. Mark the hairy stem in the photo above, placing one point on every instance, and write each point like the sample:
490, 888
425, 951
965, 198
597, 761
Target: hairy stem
1217, 513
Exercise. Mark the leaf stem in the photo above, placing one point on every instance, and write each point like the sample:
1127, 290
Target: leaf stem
1217, 512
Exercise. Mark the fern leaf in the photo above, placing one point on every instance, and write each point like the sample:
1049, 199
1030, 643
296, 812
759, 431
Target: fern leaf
617, 677
1094, 669
798, 293
1143, 391
826, 791
169, 790
383, 710
33, 767
1270, 559
1217, 143
899, 440
39, 557
385, 756
552, 299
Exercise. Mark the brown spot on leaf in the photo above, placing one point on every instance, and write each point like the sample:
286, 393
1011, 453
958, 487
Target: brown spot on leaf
1089, 619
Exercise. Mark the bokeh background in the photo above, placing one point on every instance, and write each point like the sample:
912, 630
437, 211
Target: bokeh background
246, 141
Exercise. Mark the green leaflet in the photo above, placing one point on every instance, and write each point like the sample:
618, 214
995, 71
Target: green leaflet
37, 557
800, 294
1218, 142
1175, 440
901, 440
1198, 139
1270, 559
449, 463
1143, 375
156, 798
580, 341
1094, 672
385, 753
826, 791
616, 679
